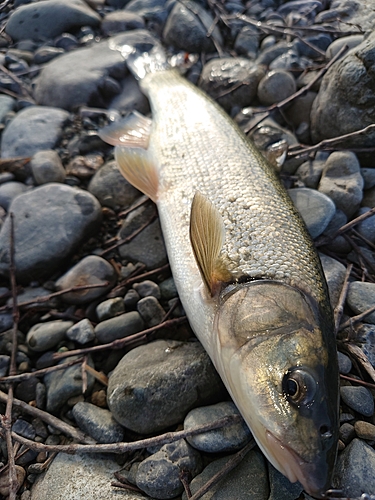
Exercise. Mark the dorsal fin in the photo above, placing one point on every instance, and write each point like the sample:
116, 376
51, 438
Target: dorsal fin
207, 236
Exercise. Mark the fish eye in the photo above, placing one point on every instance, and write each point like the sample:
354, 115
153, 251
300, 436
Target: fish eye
299, 386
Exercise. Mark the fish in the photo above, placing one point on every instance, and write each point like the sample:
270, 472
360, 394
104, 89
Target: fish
245, 267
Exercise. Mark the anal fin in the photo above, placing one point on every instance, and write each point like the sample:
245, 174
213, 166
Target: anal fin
207, 236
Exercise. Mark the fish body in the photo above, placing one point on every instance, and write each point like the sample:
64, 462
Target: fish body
245, 268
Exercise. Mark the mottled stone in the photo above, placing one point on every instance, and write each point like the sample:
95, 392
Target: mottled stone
110, 308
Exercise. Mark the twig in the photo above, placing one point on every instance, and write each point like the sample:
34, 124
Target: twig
103, 379
84, 375
339, 309
39, 373
356, 319
360, 357
24, 90
142, 201
138, 277
358, 381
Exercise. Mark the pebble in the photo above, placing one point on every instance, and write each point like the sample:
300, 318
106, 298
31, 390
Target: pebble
151, 311
281, 487
34, 128
316, 209
367, 227
4, 480
7, 104
44, 336
354, 473
270, 53
298, 113
342, 181
247, 42
97, 423
349, 41
359, 399
131, 298
111, 188
173, 377
47, 233
368, 175
221, 75
361, 296
82, 332
334, 273
8, 191
91, 270
168, 289
24, 429
147, 288
159, 474
4, 364
46, 166
45, 54
130, 98
345, 364
110, 308
346, 433
365, 430
276, 86
229, 438
120, 21
119, 327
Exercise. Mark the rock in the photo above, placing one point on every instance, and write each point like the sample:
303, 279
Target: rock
346, 433
247, 42
220, 75
4, 364
281, 487
334, 273
121, 326
230, 438
354, 472
8, 191
290, 61
173, 377
130, 98
345, 364
315, 208
310, 173
45, 54
91, 270
64, 384
44, 336
120, 21
24, 429
367, 227
46, 166
365, 430
345, 14
308, 8
361, 296
276, 86
110, 308
342, 181
368, 175
46, 233
131, 298
147, 288
97, 423
168, 289
47, 19
4, 480
110, 187
359, 399
344, 103
159, 474
312, 46
7, 104
33, 129
186, 28
150, 310
249, 480
298, 112
349, 41
82, 332
79, 77
75, 477
270, 53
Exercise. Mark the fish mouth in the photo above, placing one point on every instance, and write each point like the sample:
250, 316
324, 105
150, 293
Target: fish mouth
296, 468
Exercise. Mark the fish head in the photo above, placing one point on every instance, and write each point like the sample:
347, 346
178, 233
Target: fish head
277, 356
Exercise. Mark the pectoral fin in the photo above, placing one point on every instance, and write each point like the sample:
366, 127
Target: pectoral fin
207, 236
133, 130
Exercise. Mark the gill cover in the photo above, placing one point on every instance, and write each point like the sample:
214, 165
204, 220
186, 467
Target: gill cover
277, 355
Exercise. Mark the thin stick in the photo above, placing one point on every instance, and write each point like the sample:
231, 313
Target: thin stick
357, 353
358, 381
339, 309
356, 319
39, 373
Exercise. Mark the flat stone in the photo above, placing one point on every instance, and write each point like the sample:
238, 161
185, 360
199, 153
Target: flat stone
47, 19
24, 429
349, 41
155, 385
33, 129
8, 191
281, 487
334, 273
364, 430
229, 438
97, 423
46, 233
346, 432
91, 270
147, 288
46, 166
150, 310
44, 336
110, 308
358, 398
345, 364
315, 208
82, 332
121, 326
361, 296
276, 86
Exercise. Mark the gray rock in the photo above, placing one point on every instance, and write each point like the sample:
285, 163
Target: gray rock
33, 129
368, 175
367, 227
308, 8
334, 273
47, 19
298, 112
368, 199
315, 208
45, 54
82, 332
79, 77
276, 86
130, 98
75, 477
65, 384
150, 310
91, 270
111, 188
346, 432
4, 364
230, 438
172, 377
345, 14
290, 61
8, 191
344, 103
359, 399
131, 298
361, 296
7, 104
147, 288
24, 429
226, 73
29, 293
110, 308
159, 474
310, 173
270, 53
121, 326
186, 28
249, 480
97, 423
247, 42
120, 21
44, 336
168, 289
349, 41
46, 233
354, 472
364, 430
46, 166
281, 487
345, 364
137, 218
342, 181
312, 46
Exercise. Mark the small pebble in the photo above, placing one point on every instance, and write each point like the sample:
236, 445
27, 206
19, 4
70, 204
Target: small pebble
46, 166
121, 326
346, 433
360, 298
8, 191
131, 298
98, 423
334, 273
44, 336
147, 288
345, 364
4, 480
151, 311
24, 429
4, 364
276, 86
82, 332
367, 227
110, 308
359, 399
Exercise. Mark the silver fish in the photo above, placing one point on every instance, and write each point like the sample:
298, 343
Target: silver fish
244, 265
